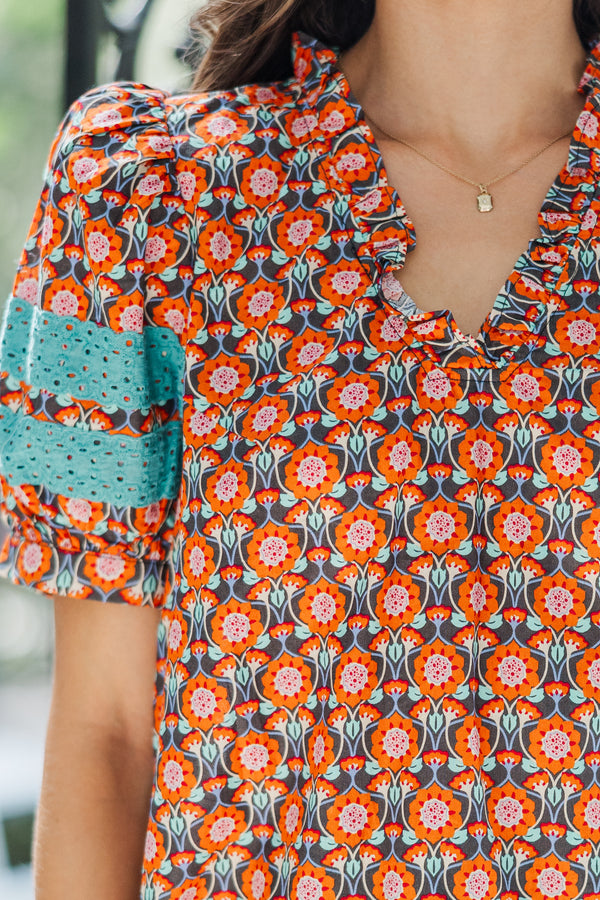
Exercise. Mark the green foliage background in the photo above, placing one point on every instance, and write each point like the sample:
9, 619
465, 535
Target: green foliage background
31, 68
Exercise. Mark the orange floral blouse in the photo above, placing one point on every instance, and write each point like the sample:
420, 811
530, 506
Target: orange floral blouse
375, 541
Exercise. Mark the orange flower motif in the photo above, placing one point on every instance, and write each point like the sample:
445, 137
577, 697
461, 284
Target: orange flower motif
312, 471
511, 671
257, 880
335, 117
399, 457
398, 601
34, 561
518, 527
255, 756
360, 535
567, 460
109, 570
353, 162
352, 818
52, 227
472, 741
525, 388
475, 880
586, 818
393, 880
223, 378
26, 279
191, 181
262, 181
198, 563
177, 632
154, 848
219, 245
551, 877
127, 313
65, 297
355, 677
344, 282
440, 526
590, 533
222, 127
439, 669
175, 775
511, 812
554, 744
480, 454
86, 168
308, 349
436, 389
221, 828
287, 681
309, 881
395, 742
172, 313
265, 418
387, 331
588, 673
578, 332
103, 246
478, 597
273, 550
320, 749
83, 515
147, 519
227, 488
204, 702
298, 229
201, 427
323, 607
353, 397
190, 889
260, 303
434, 814
26, 497
236, 626
559, 601
291, 815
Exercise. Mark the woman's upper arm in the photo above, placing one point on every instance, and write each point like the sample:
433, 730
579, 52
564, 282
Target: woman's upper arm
105, 665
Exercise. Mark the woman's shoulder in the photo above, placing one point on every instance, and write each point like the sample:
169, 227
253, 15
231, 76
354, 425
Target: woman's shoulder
126, 110
119, 112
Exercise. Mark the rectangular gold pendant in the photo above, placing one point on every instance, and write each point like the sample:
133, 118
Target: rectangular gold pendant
484, 202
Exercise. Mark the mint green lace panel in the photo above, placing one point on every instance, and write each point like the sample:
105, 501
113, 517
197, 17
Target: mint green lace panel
125, 471
88, 361
117, 370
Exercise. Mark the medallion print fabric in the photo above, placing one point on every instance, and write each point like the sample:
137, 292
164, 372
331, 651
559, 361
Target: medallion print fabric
375, 541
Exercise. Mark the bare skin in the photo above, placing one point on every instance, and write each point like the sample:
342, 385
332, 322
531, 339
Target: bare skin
479, 87
99, 760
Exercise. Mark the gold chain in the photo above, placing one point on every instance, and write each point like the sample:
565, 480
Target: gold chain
484, 199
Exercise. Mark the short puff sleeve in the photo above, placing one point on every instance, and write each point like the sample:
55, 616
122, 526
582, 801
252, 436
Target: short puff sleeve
91, 362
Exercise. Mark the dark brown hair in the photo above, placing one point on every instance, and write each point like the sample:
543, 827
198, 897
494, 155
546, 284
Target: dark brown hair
249, 40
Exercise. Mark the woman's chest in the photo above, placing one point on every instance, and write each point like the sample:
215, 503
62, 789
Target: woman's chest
463, 258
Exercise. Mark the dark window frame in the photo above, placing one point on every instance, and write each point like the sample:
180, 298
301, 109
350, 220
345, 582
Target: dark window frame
87, 23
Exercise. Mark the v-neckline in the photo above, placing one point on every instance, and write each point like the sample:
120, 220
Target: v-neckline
575, 165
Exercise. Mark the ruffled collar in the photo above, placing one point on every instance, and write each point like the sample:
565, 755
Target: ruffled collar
333, 122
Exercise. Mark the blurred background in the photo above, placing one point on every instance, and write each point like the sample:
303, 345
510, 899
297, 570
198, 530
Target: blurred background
50, 52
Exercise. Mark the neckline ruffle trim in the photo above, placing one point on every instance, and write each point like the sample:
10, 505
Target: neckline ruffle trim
383, 233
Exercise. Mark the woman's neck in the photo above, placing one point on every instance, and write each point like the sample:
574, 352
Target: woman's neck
476, 78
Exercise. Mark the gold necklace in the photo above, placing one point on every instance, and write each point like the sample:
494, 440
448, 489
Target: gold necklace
484, 198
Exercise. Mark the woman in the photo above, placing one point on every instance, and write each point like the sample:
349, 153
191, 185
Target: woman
370, 523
